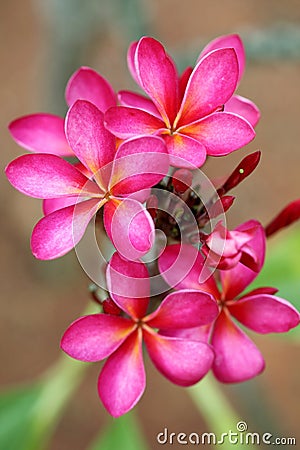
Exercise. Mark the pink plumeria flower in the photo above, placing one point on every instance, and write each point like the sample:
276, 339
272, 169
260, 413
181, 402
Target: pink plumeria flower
137, 165
119, 338
224, 248
186, 112
237, 357
45, 133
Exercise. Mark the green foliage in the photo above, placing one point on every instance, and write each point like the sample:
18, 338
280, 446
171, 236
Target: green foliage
123, 433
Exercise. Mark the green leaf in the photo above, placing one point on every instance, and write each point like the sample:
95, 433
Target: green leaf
16, 407
123, 433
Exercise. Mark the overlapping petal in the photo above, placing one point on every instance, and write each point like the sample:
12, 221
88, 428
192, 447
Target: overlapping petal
129, 285
220, 133
131, 61
56, 234
122, 380
235, 280
128, 122
211, 84
186, 308
265, 313
49, 176
129, 226
158, 77
244, 108
139, 164
181, 361
87, 84
91, 142
94, 337
182, 265
228, 41
237, 357
185, 151
134, 100
41, 133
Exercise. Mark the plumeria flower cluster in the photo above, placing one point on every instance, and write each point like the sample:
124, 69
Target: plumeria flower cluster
125, 149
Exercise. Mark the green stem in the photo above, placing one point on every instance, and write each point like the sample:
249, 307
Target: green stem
57, 388
217, 411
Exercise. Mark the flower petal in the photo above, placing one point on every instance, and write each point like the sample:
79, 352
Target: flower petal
185, 151
53, 204
228, 41
186, 308
139, 163
129, 226
181, 361
130, 122
158, 77
48, 176
93, 338
235, 280
87, 84
265, 313
92, 143
192, 334
41, 133
243, 107
237, 358
221, 133
56, 234
131, 61
211, 84
129, 285
182, 265
134, 100
122, 380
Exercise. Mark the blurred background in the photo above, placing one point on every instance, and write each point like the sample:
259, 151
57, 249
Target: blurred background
42, 43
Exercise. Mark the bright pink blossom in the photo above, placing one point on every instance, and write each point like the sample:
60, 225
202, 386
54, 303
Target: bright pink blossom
236, 356
188, 111
119, 338
224, 248
45, 133
138, 164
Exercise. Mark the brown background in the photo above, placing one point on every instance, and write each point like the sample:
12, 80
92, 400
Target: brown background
39, 299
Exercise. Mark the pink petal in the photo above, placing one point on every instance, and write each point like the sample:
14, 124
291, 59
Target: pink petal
56, 234
139, 164
265, 313
87, 84
262, 290
41, 133
92, 143
235, 280
192, 334
183, 81
211, 84
221, 133
181, 361
131, 61
53, 204
244, 108
237, 358
181, 266
92, 338
122, 380
158, 77
129, 122
228, 41
134, 100
48, 176
185, 151
129, 285
184, 309
129, 226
